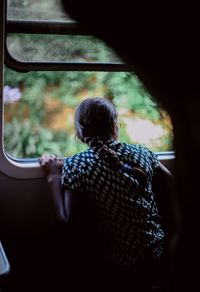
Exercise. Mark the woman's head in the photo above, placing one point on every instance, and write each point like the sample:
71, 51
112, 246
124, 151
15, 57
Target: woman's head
96, 117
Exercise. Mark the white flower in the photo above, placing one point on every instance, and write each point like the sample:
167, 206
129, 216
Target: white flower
11, 95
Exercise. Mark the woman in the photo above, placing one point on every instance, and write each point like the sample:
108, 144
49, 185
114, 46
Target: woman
116, 179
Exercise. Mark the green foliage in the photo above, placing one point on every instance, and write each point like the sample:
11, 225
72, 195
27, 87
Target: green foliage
28, 131
128, 92
28, 140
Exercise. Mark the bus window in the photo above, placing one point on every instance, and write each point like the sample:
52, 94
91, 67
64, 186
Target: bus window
50, 66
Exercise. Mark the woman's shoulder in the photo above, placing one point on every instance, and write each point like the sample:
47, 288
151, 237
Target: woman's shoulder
141, 154
80, 158
75, 169
133, 148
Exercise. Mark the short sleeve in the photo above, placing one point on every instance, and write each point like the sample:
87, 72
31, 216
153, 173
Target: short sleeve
140, 156
71, 175
153, 159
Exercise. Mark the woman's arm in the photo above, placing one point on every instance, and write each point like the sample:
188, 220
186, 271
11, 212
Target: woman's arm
163, 187
57, 195
64, 200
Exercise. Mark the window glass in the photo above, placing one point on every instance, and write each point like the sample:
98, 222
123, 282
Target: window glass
59, 48
39, 110
36, 10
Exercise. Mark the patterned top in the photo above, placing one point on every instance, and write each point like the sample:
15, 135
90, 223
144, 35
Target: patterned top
127, 212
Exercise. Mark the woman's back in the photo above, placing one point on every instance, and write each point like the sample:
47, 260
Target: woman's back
125, 209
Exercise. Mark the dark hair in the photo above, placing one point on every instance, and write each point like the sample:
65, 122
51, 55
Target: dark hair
95, 124
96, 117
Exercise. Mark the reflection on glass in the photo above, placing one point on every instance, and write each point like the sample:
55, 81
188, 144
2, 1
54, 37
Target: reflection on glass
57, 48
36, 10
39, 111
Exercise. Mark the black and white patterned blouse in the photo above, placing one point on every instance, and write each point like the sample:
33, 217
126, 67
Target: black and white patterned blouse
127, 211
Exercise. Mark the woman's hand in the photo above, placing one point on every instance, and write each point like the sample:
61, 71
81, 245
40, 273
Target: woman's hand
51, 164
52, 167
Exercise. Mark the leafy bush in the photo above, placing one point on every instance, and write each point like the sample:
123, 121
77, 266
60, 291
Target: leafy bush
42, 120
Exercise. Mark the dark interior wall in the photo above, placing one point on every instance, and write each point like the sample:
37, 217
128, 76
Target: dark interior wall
31, 238
43, 254
25, 205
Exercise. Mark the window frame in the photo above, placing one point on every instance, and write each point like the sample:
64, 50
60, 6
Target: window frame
59, 28
29, 168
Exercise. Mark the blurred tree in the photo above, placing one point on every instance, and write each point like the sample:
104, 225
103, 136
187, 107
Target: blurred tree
32, 126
